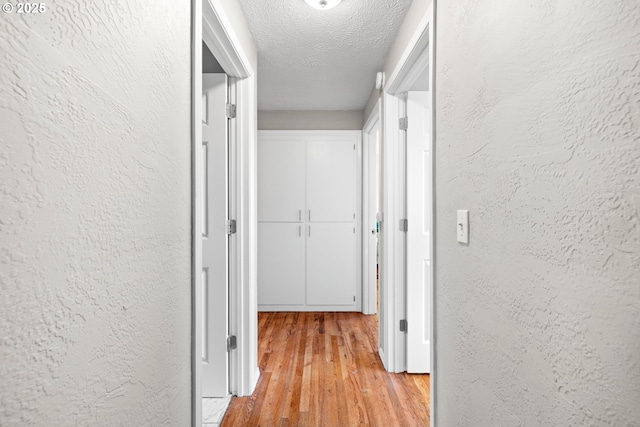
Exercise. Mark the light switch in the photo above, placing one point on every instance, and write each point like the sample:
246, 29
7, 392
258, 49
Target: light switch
462, 226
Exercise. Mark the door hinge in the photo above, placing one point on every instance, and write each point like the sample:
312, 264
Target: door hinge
232, 343
231, 111
403, 325
404, 225
404, 123
231, 226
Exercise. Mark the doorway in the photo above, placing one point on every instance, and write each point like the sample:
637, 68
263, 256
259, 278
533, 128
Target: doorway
214, 236
213, 27
406, 237
409, 223
371, 209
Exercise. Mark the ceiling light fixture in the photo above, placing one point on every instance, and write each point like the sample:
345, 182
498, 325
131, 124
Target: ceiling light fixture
322, 4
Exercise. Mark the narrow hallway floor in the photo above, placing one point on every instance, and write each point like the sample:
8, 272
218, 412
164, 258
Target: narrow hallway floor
323, 369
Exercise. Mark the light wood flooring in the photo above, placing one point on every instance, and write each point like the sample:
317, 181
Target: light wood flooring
322, 369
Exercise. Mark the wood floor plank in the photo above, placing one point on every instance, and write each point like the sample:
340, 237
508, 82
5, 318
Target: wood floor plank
323, 369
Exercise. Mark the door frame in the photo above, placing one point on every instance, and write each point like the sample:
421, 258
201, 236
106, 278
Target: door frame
420, 52
369, 293
210, 24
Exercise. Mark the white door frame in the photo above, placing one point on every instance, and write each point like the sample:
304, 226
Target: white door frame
369, 293
420, 51
211, 25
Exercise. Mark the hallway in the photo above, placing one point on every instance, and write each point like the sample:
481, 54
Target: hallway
322, 369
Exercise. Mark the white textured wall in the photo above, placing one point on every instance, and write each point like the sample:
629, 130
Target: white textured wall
538, 135
95, 214
310, 120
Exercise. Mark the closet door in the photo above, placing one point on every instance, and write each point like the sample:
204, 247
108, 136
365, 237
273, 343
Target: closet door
281, 180
331, 180
281, 263
331, 264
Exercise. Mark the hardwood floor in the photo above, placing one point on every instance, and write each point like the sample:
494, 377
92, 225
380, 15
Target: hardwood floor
322, 369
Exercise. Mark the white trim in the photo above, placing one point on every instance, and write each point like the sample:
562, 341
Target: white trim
196, 215
373, 118
432, 87
396, 205
409, 76
388, 232
234, 247
359, 160
306, 308
368, 295
218, 34
400, 201
245, 307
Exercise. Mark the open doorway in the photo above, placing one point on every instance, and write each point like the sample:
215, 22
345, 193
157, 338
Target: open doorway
215, 236
408, 230
370, 210
230, 160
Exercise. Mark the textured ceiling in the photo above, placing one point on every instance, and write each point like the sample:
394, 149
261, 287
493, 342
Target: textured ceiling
312, 59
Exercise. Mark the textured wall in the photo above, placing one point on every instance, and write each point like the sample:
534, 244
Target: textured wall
538, 135
310, 120
95, 214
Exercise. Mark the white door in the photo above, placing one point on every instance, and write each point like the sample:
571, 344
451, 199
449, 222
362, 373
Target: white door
215, 362
419, 213
331, 263
281, 180
281, 264
331, 180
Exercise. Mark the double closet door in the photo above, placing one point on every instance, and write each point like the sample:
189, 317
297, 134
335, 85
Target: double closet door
308, 214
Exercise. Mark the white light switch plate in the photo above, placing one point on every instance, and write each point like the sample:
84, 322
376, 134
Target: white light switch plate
462, 226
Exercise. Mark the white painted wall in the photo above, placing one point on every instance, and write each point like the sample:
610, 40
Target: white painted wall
310, 120
95, 206
537, 134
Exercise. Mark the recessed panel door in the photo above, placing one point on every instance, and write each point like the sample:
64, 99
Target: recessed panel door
215, 364
331, 180
281, 263
281, 180
331, 264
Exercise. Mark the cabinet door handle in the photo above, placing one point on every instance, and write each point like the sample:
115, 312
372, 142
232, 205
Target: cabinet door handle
299, 214
309, 214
